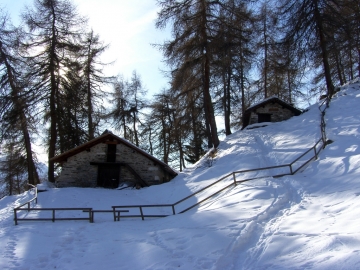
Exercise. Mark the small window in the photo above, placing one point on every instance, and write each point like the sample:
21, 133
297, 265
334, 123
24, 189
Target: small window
264, 117
111, 153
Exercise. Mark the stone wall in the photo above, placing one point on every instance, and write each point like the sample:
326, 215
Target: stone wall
148, 170
278, 113
77, 171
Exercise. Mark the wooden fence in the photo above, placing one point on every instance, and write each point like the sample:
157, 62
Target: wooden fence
291, 168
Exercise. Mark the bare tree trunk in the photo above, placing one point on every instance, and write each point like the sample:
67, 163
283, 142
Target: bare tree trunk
90, 111
53, 95
163, 132
265, 59
324, 51
359, 62
227, 100
208, 106
135, 131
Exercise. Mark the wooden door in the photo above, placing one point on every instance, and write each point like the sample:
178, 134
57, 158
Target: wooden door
108, 176
264, 117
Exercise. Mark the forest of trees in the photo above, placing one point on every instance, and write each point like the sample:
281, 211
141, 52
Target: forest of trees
223, 56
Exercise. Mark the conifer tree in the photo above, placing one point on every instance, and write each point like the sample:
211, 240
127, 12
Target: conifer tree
15, 113
190, 52
54, 30
309, 25
94, 79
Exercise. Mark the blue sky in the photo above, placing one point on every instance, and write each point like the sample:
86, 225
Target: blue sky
129, 28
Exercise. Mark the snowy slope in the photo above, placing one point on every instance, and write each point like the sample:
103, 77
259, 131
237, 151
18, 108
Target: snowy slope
306, 221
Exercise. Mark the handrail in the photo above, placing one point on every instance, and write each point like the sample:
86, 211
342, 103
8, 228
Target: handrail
233, 174
53, 218
33, 199
234, 183
141, 207
290, 165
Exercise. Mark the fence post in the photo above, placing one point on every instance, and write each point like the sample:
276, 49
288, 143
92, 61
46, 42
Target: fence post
91, 216
173, 209
315, 152
15, 216
234, 178
291, 171
141, 212
114, 213
53, 215
28, 206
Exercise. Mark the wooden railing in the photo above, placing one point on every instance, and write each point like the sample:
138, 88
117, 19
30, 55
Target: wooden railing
53, 217
171, 208
28, 203
290, 167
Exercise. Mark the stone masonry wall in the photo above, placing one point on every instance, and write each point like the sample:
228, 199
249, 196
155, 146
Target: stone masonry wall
148, 170
278, 113
77, 171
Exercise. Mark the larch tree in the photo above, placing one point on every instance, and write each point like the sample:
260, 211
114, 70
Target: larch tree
232, 59
71, 108
190, 48
94, 79
309, 26
137, 103
162, 122
54, 30
13, 169
120, 106
15, 101
128, 102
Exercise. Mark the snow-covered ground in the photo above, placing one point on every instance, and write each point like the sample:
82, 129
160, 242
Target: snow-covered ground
306, 221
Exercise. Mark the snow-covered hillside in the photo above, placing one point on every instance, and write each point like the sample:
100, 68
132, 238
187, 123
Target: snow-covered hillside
306, 221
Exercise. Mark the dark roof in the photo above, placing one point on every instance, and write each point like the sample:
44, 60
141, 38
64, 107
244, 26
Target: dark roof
273, 99
109, 137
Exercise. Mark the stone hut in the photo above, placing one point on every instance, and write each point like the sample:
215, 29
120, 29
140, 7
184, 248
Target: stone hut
271, 109
109, 161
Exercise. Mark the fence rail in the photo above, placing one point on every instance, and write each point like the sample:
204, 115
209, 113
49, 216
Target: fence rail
291, 171
53, 218
318, 146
